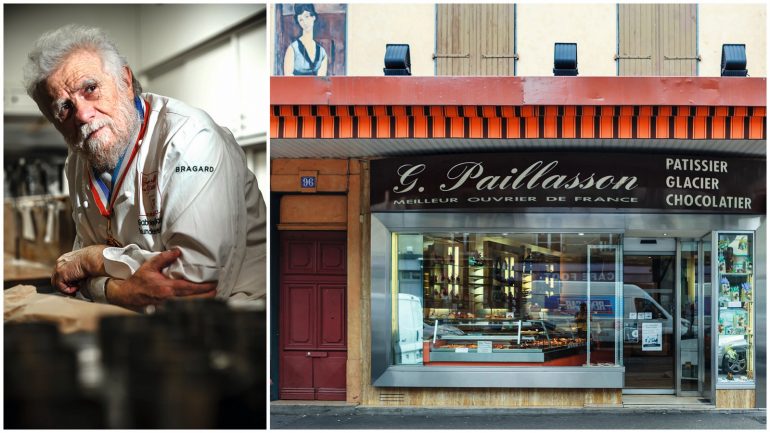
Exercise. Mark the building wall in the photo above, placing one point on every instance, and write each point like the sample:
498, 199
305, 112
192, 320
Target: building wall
371, 26
593, 27
734, 24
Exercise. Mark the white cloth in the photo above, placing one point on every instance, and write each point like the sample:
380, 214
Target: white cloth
187, 188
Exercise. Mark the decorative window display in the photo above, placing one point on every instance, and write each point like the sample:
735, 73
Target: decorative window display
518, 299
735, 298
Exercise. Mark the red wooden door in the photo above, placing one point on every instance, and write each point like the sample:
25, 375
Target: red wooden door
313, 344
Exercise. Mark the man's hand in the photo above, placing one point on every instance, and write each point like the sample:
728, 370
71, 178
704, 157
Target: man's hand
148, 286
73, 267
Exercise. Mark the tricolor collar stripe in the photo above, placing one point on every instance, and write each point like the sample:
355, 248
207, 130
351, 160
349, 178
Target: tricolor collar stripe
105, 198
102, 186
99, 198
139, 139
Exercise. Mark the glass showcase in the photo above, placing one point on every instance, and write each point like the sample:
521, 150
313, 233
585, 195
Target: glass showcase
523, 299
735, 300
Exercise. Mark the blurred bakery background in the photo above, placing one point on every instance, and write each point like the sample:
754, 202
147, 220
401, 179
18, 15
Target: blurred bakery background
209, 56
75, 364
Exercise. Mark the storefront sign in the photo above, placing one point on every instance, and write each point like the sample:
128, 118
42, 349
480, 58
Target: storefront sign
552, 181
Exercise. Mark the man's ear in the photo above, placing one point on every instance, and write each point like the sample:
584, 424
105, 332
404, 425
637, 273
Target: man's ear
128, 79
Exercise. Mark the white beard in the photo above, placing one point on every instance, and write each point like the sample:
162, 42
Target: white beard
104, 155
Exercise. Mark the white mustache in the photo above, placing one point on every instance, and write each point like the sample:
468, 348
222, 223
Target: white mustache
88, 128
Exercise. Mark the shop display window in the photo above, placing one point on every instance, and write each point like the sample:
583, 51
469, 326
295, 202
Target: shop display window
735, 300
524, 299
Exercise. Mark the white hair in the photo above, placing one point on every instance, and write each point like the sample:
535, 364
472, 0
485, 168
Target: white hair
54, 46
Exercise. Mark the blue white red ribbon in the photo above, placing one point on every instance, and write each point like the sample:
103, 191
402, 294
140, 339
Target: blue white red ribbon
105, 196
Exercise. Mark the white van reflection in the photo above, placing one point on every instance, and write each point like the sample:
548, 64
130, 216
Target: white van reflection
565, 297
409, 347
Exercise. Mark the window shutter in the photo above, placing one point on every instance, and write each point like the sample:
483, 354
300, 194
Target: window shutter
475, 39
657, 39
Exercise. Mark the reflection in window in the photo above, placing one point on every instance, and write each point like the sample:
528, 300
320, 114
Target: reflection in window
519, 299
645, 306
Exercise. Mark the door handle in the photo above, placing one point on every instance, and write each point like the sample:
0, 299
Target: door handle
317, 355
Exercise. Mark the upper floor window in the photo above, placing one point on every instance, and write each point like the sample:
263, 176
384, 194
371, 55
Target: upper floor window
475, 39
657, 39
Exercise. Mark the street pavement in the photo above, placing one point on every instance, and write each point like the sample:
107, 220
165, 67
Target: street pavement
299, 417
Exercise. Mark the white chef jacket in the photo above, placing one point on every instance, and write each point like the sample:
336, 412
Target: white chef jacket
188, 187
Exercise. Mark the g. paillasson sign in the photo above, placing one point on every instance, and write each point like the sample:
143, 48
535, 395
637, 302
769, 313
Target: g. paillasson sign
554, 181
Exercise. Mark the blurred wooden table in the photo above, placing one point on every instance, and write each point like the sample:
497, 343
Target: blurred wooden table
22, 271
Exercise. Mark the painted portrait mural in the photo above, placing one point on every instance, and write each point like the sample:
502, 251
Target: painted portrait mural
310, 39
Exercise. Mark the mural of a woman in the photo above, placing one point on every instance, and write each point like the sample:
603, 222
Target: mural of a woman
305, 56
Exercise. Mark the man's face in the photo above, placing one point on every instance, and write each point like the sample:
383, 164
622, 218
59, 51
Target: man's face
92, 112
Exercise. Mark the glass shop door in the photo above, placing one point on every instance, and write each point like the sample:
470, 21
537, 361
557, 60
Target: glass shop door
694, 316
706, 385
649, 323
690, 291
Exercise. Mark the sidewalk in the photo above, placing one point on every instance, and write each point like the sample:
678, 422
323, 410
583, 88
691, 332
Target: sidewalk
316, 415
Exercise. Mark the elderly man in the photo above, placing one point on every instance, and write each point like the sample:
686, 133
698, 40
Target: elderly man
164, 205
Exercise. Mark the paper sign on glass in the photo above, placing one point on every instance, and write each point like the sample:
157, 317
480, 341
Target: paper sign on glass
652, 336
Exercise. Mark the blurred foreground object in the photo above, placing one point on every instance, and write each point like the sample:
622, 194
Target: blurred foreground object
191, 364
24, 304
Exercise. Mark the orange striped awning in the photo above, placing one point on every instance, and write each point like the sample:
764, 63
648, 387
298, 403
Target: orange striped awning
524, 121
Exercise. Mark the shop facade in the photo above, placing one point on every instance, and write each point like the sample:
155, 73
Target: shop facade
518, 242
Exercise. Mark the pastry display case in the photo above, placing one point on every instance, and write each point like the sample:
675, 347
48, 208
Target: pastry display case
501, 340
